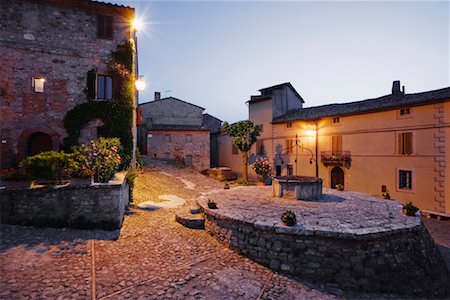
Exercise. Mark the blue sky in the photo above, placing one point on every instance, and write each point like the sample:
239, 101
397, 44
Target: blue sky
216, 54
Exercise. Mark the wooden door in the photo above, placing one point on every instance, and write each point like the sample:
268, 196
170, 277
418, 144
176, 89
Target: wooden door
337, 177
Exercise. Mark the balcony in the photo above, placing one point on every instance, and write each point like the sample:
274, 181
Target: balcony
331, 158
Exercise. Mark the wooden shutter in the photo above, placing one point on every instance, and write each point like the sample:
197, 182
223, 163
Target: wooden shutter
91, 84
336, 144
408, 143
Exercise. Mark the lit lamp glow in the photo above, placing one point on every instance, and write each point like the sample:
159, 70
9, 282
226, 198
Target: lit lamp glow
140, 83
309, 132
136, 24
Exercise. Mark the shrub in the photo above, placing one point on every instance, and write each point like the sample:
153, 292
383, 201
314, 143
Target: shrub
104, 159
288, 217
12, 174
262, 168
79, 164
47, 165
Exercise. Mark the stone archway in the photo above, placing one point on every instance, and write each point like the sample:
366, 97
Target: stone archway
39, 142
24, 138
337, 177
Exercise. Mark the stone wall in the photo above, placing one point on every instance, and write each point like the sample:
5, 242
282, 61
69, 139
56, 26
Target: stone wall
401, 262
95, 206
177, 147
56, 41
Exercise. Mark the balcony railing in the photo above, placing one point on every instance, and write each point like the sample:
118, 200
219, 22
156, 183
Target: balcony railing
332, 158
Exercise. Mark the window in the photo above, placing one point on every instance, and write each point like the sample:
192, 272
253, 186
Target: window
234, 149
289, 146
167, 138
261, 127
290, 170
405, 143
404, 180
104, 26
38, 84
404, 111
260, 150
336, 144
289, 125
188, 138
336, 120
104, 87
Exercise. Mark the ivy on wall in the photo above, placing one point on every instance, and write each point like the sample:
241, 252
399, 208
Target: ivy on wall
116, 114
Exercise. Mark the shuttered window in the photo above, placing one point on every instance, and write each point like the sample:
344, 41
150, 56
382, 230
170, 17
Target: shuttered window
289, 146
336, 144
104, 26
405, 143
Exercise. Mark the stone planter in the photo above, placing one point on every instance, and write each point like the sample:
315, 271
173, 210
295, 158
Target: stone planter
51, 182
81, 181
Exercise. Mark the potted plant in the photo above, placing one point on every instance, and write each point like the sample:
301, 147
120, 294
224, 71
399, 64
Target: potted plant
409, 209
386, 195
262, 168
340, 187
289, 218
212, 204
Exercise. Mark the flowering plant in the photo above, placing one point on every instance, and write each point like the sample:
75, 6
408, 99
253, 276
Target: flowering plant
12, 174
79, 164
262, 167
104, 159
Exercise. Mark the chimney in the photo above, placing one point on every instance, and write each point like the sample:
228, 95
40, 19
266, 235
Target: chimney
403, 89
396, 87
157, 96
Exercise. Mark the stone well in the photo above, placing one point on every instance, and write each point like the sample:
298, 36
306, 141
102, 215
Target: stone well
302, 187
348, 240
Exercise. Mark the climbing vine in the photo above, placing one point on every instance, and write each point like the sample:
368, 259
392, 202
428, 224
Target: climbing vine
116, 114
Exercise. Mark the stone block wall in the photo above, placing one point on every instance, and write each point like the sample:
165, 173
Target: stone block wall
96, 206
176, 147
405, 262
55, 40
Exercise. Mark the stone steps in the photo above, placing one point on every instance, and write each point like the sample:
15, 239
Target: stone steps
193, 218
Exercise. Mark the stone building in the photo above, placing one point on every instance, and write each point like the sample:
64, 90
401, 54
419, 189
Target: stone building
54, 56
397, 143
174, 129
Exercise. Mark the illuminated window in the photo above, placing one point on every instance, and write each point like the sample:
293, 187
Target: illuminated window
104, 26
188, 138
167, 138
234, 149
38, 84
405, 143
104, 87
405, 180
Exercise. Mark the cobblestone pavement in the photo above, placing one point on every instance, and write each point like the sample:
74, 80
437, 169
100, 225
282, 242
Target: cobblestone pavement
151, 257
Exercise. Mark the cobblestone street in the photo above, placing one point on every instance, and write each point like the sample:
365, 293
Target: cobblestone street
152, 257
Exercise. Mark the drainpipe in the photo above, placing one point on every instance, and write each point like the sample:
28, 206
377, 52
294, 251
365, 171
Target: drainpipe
317, 148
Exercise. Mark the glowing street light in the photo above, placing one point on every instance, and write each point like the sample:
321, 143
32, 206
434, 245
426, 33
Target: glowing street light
140, 83
137, 24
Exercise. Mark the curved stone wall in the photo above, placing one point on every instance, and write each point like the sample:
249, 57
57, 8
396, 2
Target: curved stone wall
401, 261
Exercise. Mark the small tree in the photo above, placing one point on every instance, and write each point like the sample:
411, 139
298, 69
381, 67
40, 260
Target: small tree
243, 134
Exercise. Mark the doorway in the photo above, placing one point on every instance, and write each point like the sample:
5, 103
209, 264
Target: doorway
38, 142
337, 177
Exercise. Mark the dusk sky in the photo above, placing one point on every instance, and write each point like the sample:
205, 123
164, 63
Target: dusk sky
217, 54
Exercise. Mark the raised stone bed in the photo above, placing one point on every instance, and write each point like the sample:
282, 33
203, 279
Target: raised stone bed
100, 205
301, 187
347, 240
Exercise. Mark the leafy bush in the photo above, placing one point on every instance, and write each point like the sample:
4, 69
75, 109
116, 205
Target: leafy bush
47, 165
288, 217
262, 168
104, 159
79, 164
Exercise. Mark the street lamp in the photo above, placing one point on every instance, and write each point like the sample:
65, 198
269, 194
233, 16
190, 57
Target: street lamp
140, 83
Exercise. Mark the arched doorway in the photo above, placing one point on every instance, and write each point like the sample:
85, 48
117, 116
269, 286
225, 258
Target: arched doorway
337, 177
38, 142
